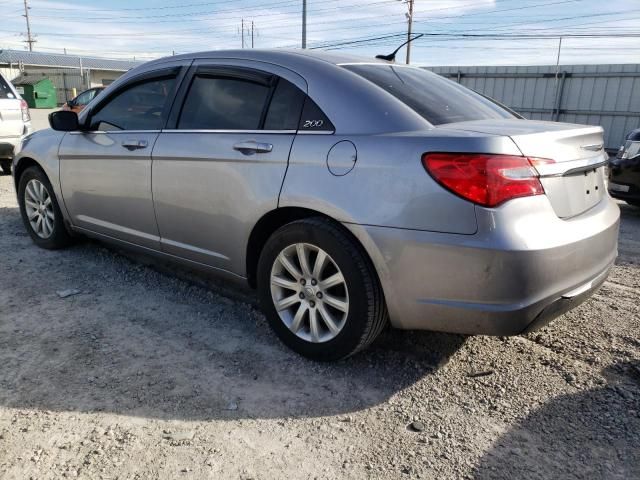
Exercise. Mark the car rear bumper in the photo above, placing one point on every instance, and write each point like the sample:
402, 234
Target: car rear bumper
523, 267
10, 146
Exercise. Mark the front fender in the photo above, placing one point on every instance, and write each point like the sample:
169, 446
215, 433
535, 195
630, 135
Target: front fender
42, 147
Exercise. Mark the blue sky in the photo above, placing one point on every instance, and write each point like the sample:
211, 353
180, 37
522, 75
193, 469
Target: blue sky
149, 29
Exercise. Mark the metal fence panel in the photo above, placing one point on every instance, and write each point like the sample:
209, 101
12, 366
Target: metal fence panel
64, 79
606, 95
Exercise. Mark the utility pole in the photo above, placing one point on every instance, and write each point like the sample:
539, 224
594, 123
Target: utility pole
29, 39
251, 33
304, 23
558, 60
242, 33
409, 26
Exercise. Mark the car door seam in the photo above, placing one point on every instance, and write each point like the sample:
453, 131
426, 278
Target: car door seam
153, 200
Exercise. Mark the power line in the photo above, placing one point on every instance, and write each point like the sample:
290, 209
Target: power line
216, 13
286, 24
346, 42
492, 36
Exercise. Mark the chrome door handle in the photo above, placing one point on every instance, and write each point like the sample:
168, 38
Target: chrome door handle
251, 147
132, 144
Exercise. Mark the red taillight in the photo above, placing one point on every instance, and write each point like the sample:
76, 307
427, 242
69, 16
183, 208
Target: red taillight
26, 116
485, 179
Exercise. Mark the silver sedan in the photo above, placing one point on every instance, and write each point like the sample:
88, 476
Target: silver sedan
351, 193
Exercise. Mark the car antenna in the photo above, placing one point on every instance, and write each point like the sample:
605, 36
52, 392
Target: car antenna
392, 57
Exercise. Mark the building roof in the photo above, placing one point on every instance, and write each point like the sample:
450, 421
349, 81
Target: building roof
64, 61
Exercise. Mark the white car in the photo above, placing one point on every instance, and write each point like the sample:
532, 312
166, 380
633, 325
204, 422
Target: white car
15, 122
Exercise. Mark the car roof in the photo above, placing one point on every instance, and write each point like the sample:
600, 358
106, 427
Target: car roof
353, 104
282, 56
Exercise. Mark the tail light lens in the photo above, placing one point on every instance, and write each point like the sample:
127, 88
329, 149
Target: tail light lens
26, 116
485, 179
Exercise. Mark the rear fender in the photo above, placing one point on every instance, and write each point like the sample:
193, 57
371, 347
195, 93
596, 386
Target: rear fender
388, 186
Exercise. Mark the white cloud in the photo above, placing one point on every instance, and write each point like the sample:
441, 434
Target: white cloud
153, 33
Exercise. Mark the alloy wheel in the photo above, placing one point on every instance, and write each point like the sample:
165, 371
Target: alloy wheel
39, 209
309, 292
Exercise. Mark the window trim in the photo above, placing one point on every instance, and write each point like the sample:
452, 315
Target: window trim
231, 71
114, 132
176, 73
210, 130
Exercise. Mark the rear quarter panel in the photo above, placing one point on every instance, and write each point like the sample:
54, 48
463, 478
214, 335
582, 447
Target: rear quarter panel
388, 186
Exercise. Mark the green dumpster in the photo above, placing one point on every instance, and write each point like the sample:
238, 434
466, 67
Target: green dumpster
37, 91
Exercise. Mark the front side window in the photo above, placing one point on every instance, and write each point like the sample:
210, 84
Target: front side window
223, 103
434, 98
139, 107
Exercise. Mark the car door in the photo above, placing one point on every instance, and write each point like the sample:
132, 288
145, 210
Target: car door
220, 164
105, 172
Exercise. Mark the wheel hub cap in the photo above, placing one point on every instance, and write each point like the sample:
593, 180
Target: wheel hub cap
39, 209
309, 292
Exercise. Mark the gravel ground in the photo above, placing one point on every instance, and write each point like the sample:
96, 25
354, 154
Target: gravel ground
147, 375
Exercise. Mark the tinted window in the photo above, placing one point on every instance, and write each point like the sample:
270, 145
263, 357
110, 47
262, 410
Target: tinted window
285, 107
85, 97
5, 90
436, 99
223, 104
137, 108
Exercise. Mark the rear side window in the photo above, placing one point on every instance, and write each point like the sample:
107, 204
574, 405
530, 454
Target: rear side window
434, 98
285, 107
139, 107
224, 104
5, 90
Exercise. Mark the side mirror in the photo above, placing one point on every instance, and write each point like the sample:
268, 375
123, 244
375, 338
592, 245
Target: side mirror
64, 121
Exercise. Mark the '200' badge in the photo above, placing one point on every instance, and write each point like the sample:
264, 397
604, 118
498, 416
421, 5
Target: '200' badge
312, 123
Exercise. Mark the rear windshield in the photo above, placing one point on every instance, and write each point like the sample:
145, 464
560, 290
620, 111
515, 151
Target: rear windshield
433, 97
5, 91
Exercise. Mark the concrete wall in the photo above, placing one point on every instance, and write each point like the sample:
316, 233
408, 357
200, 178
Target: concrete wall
606, 95
100, 78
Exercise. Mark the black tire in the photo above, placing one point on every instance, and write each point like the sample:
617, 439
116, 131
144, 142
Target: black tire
59, 237
6, 166
367, 312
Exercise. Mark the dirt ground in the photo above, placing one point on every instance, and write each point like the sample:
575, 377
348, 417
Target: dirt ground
146, 375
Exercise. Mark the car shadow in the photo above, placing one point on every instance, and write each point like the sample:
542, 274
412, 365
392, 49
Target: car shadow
138, 342
629, 242
592, 434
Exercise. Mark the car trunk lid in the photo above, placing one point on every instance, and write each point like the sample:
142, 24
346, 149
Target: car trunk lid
574, 182
11, 124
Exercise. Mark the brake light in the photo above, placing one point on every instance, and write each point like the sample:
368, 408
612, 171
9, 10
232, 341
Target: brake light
485, 179
26, 116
